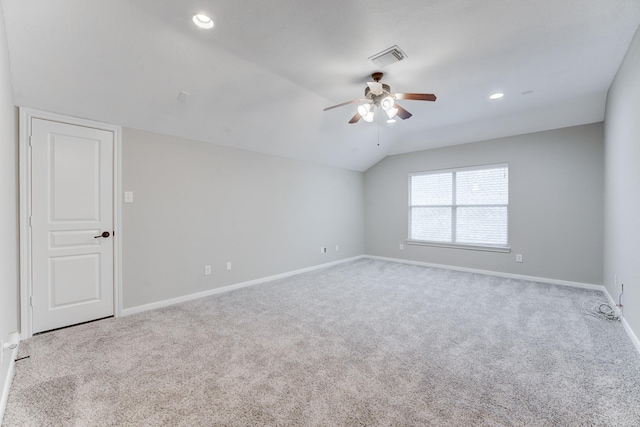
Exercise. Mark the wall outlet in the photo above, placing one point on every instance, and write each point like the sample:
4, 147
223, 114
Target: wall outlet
9, 345
401, 247
337, 248
518, 257
128, 196
228, 265
323, 250
207, 270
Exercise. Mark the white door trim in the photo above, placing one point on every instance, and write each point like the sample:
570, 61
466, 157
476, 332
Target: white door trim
26, 114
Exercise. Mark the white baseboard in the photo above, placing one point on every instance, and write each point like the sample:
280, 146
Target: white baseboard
165, 303
7, 383
625, 324
632, 335
494, 273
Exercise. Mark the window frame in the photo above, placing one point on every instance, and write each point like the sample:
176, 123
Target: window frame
455, 245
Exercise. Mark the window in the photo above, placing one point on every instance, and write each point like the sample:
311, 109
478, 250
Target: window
465, 207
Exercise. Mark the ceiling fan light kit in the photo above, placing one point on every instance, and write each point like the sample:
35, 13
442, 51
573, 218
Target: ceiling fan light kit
391, 112
378, 94
366, 112
387, 103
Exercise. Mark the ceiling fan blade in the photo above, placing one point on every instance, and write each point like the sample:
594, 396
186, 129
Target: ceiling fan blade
355, 118
375, 87
416, 96
402, 113
345, 103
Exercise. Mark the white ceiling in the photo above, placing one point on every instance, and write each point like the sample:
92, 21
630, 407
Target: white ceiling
260, 79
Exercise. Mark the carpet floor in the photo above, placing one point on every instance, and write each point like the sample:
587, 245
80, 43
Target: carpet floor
365, 343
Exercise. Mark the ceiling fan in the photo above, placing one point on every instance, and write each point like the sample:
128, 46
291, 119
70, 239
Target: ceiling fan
378, 94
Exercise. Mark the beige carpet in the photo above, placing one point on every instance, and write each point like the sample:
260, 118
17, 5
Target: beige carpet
359, 344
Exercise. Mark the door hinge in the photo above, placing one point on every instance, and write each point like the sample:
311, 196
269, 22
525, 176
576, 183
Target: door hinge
30, 141
31, 301
30, 221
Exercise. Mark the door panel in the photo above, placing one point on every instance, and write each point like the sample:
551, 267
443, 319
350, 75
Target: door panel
73, 238
74, 279
74, 165
72, 204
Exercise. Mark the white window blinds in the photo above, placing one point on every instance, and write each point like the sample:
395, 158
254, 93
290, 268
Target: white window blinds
462, 206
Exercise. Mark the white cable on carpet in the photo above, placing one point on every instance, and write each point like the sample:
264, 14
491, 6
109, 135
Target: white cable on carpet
600, 309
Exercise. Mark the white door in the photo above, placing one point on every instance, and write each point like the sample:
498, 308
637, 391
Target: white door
72, 206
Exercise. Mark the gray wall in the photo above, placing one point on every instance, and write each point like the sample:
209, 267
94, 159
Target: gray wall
622, 185
8, 204
555, 204
198, 204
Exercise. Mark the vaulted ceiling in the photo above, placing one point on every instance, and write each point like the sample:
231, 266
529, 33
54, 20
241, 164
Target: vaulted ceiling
261, 77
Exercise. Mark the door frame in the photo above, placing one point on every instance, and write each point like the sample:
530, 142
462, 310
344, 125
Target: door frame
26, 284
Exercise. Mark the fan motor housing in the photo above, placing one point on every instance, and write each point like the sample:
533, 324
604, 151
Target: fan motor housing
367, 91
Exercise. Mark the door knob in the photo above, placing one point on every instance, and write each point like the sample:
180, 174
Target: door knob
104, 234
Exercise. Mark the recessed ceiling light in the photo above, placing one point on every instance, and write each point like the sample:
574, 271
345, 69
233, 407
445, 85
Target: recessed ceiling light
391, 121
496, 95
202, 21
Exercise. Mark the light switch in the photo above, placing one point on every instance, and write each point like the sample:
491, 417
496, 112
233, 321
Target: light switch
128, 196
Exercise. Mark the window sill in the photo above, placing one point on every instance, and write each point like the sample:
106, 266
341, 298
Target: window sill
502, 249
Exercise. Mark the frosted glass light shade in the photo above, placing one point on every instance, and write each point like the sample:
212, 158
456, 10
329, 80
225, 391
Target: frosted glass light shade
387, 103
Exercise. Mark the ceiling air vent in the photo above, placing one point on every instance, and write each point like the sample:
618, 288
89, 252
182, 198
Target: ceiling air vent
388, 56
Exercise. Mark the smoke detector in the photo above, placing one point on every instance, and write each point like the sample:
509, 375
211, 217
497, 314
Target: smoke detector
388, 56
